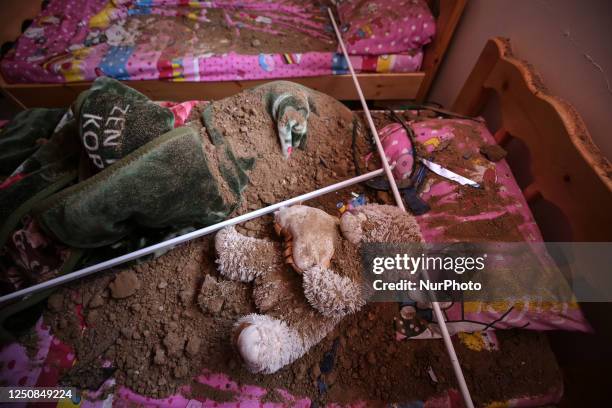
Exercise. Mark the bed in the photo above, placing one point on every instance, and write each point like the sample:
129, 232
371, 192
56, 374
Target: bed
555, 162
26, 78
528, 113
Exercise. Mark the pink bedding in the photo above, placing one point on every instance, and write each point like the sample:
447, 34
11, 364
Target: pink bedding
451, 208
54, 357
79, 40
385, 26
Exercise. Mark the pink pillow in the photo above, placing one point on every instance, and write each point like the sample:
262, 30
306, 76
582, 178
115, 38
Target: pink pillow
385, 26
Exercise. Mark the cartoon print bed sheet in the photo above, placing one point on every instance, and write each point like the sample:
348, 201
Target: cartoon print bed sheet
498, 213
74, 41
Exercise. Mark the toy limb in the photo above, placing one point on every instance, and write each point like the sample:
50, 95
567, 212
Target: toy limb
331, 294
289, 107
309, 235
266, 344
244, 258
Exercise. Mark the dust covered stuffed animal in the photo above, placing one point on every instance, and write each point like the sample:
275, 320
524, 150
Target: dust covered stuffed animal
304, 286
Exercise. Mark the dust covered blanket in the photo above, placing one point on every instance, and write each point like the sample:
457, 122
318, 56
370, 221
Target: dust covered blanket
106, 177
39, 159
142, 165
204, 41
114, 120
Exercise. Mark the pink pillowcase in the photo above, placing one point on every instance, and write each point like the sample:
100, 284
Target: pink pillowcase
385, 26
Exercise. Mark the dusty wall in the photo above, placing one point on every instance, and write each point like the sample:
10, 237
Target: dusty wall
568, 41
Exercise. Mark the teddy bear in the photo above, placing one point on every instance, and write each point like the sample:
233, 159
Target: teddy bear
304, 286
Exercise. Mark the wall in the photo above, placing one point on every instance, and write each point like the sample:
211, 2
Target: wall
568, 41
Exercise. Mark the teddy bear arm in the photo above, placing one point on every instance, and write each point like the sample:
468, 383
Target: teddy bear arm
331, 294
235, 255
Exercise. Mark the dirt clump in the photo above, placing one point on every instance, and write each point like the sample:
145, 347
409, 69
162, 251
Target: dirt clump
493, 152
55, 302
224, 298
126, 283
96, 301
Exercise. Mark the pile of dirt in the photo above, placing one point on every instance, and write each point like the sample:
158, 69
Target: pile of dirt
146, 319
152, 331
163, 335
326, 158
161, 322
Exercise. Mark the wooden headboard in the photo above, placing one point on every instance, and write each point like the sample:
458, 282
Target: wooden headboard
569, 188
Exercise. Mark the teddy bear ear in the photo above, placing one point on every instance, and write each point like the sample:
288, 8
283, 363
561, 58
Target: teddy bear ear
350, 226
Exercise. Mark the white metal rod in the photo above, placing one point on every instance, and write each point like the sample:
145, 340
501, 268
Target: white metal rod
436, 307
69, 277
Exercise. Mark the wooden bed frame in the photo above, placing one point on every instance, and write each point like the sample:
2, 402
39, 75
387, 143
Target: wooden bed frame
564, 173
568, 184
387, 86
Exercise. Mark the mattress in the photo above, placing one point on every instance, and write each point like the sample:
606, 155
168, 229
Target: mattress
74, 41
538, 380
